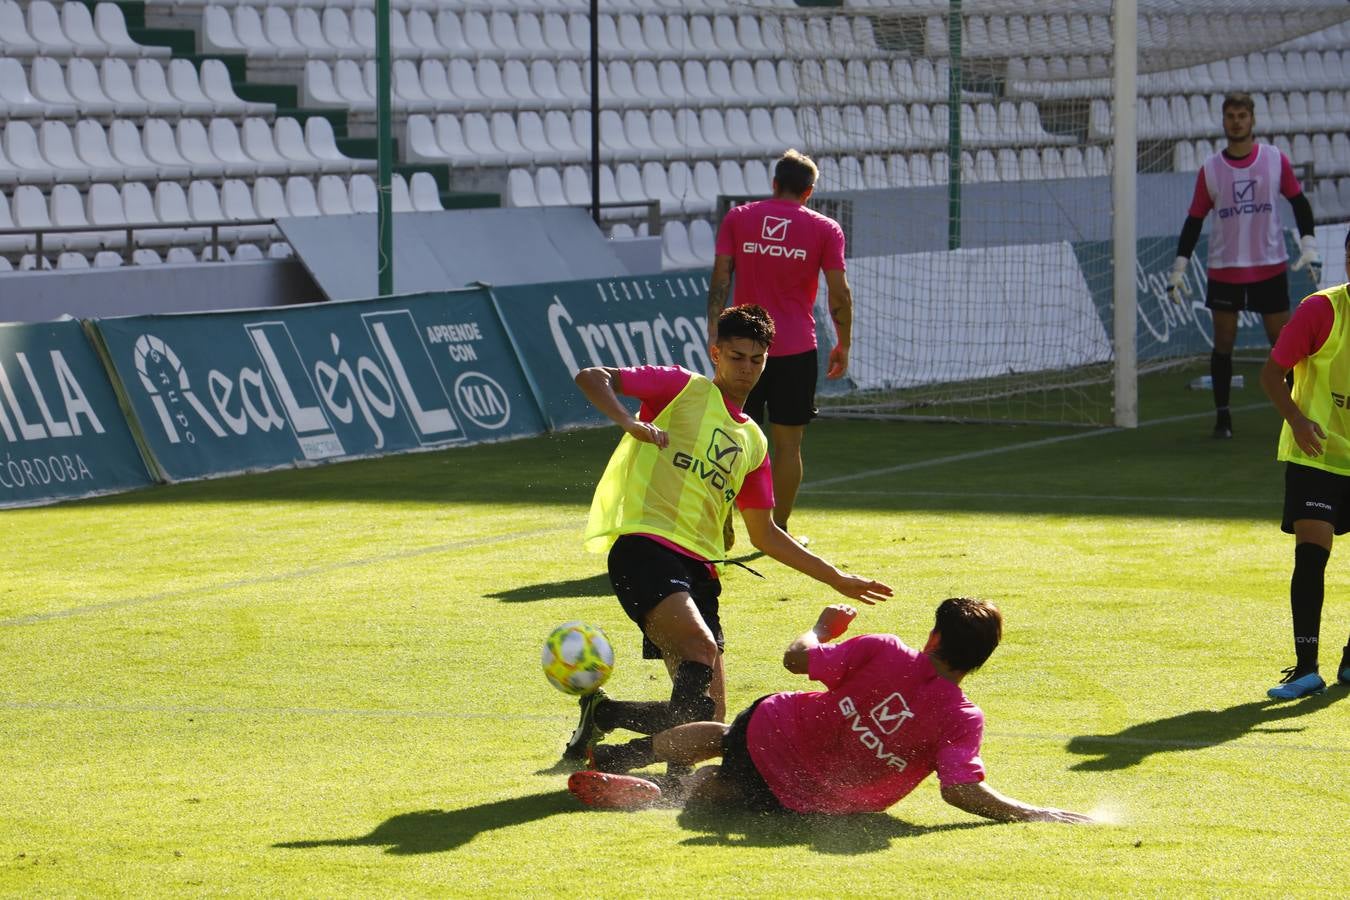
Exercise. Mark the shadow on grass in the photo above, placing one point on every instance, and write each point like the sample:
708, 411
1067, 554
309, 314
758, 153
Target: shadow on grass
838, 835
594, 586
1193, 731
438, 830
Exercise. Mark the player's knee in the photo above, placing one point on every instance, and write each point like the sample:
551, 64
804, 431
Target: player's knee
699, 647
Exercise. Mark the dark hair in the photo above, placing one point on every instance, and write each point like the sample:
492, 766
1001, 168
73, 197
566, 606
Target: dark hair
1240, 99
968, 631
795, 173
749, 321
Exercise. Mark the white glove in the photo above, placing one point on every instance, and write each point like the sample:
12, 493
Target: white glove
1308, 256
1176, 279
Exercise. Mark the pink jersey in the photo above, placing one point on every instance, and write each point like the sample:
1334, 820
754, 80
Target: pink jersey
887, 720
1305, 332
780, 248
1246, 242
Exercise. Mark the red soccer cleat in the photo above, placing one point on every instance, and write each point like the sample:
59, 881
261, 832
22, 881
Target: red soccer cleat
604, 790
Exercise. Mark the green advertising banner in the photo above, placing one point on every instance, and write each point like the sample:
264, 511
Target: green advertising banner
64, 435
247, 390
1167, 329
560, 328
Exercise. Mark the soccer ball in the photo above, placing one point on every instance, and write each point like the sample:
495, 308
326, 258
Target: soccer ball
577, 658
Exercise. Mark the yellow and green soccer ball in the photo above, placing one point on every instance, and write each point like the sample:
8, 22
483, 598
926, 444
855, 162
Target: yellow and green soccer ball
577, 658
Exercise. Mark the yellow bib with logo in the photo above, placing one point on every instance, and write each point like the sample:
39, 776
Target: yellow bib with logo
1322, 393
684, 492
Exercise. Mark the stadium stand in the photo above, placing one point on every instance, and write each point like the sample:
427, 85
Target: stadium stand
255, 109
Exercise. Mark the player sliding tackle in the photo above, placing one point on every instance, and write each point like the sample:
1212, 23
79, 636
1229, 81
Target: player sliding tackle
658, 510
889, 716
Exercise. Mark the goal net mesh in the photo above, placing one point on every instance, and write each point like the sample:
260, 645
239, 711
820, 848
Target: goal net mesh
980, 256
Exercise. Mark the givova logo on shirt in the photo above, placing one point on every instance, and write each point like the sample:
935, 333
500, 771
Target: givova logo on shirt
773, 229
867, 737
1244, 200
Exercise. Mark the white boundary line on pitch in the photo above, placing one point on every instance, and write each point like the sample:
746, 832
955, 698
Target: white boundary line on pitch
177, 709
1007, 448
1250, 501
221, 587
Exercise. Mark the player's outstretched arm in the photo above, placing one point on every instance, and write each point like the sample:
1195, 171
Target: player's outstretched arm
601, 385
719, 287
832, 622
776, 542
981, 800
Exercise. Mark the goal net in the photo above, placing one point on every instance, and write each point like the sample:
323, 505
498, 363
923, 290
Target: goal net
967, 150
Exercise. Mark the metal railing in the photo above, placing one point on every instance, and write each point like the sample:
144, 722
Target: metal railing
130, 229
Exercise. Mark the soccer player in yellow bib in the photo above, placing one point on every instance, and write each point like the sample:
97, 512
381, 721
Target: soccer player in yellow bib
658, 510
1315, 445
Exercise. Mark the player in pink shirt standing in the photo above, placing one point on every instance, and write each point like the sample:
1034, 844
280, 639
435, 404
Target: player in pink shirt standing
777, 249
889, 716
1247, 259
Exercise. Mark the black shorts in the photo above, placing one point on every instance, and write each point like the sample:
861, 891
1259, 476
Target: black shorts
738, 769
787, 389
1311, 493
643, 573
1264, 297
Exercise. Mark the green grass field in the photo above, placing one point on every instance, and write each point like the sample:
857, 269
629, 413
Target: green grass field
325, 682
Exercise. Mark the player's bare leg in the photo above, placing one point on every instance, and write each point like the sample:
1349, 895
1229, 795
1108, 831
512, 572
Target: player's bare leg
787, 470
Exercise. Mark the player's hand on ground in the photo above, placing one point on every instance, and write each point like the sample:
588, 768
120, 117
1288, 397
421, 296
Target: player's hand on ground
1176, 280
1309, 258
838, 363
1308, 435
864, 590
648, 433
1062, 816
834, 621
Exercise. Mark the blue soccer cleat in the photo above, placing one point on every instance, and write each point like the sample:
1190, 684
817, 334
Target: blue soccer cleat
1293, 686
1343, 676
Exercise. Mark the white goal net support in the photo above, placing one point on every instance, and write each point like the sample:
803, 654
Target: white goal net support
999, 257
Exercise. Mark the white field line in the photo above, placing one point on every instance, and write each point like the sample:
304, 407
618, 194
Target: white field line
1007, 448
1006, 495
292, 575
438, 714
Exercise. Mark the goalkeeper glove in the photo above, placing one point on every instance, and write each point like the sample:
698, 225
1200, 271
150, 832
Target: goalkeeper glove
1176, 279
1309, 257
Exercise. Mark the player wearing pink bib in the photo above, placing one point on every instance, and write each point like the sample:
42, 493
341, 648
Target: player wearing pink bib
777, 249
889, 716
1247, 259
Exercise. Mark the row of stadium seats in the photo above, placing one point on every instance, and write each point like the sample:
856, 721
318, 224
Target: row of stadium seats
137, 203
54, 88
487, 6
1090, 35
1328, 153
1188, 117
1077, 76
279, 33
505, 140
53, 152
72, 31
145, 256
1331, 199
463, 84
685, 190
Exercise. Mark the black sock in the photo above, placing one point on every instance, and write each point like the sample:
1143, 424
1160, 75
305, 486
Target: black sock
1305, 600
622, 757
1221, 373
1345, 657
689, 700
642, 716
